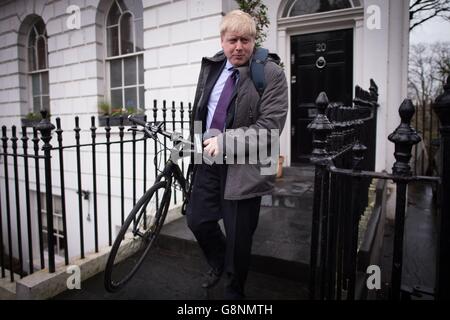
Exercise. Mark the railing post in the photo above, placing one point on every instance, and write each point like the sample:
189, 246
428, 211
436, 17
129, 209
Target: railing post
320, 128
59, 134
164, 113
14, 140
404, 137
182, 130
38, 198
358, 152
80, 188
46, 128
94, 178
8, 212
442, 108
108, 174
155, 146
173, 110
122, 170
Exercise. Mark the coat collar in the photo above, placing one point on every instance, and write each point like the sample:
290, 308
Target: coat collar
218, 57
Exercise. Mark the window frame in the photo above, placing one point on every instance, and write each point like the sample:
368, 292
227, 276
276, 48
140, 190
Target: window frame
58, 234
286, 13
122, 58
37, 70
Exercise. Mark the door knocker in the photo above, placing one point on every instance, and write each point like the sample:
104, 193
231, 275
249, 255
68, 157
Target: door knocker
321, 63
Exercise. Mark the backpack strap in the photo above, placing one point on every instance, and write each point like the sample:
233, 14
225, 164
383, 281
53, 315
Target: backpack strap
257, 69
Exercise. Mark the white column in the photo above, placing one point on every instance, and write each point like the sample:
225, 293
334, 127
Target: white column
397, 79
285, 139
358, 52
385, 60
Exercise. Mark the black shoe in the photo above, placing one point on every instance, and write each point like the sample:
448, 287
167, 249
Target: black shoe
233, 289
212, 277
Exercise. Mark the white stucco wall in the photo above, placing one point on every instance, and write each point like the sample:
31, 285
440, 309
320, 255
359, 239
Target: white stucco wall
177, 34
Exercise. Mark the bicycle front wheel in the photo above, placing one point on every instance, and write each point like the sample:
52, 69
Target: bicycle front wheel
136, 236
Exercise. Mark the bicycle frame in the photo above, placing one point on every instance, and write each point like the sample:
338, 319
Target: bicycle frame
170, 172
171, 169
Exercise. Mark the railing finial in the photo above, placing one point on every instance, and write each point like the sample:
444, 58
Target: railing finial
320, 127
442, 105
404, 137
373, 90
322, 102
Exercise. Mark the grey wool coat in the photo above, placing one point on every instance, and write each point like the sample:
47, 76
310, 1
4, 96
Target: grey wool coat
248, 114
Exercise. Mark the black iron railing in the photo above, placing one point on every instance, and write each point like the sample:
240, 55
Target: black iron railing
340, 196
337, 134
102, 145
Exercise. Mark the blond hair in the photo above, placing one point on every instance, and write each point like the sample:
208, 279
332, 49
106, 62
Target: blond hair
240, 22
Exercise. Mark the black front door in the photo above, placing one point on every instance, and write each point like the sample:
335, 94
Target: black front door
319, 62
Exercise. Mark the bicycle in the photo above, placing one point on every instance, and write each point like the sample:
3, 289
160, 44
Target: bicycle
145, 232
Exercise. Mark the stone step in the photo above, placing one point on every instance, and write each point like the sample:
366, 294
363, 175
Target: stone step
292, 270
168, 275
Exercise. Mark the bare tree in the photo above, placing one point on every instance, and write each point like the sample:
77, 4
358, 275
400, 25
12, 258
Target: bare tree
421, 11
429, 66
442, 51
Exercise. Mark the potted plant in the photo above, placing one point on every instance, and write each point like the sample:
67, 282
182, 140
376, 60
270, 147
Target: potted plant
114, 114
32, 119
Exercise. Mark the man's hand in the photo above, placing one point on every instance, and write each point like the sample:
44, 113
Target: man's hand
211, 146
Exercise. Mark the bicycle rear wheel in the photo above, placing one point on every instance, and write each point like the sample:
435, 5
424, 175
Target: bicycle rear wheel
145, 220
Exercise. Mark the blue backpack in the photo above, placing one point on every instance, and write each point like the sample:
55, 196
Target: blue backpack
257, 68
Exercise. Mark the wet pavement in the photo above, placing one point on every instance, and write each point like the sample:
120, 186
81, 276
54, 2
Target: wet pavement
280, 254
419, 243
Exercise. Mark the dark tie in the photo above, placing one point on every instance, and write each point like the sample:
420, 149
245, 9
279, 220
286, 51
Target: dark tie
220, 114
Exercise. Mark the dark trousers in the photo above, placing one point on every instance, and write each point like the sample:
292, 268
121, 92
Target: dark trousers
230, 253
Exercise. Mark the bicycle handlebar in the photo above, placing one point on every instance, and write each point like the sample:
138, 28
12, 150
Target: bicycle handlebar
151, 130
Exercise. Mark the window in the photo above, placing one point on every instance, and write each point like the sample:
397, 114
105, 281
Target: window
301, 7
58, 228
38, 66
124, 31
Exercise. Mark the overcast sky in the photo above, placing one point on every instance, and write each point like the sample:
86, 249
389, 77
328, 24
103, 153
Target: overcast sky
436, 29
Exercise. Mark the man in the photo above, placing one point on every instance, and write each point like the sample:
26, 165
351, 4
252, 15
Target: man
228, 105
